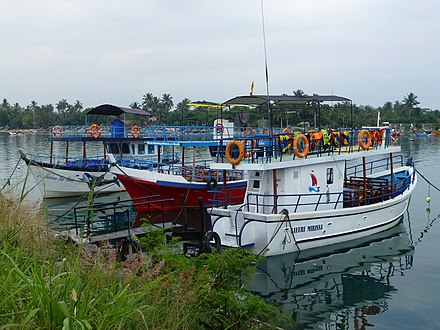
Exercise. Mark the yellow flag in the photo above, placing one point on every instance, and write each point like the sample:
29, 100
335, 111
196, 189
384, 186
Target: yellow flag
252, 89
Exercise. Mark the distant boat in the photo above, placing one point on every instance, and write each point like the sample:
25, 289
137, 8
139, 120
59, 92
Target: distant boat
15, 133
422, 133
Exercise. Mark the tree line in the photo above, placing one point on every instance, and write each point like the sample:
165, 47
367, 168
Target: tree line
164, 112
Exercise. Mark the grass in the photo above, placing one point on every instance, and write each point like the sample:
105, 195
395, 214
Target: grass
48, 283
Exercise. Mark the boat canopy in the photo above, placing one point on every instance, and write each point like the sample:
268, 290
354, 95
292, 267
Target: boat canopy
257, 100
113, 110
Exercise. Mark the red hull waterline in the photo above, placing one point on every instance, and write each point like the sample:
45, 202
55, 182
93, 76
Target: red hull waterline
140, 189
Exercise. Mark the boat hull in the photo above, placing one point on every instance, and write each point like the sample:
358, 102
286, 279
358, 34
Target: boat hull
175, 191
55, 183
275, 234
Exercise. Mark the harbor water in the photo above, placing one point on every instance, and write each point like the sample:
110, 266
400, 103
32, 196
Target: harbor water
386, 281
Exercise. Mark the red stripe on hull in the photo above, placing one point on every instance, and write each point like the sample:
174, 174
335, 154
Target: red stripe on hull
140, 189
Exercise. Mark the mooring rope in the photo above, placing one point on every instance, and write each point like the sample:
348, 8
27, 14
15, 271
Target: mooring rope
8, 181
429, 182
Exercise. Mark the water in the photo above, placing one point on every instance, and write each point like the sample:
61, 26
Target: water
389, 281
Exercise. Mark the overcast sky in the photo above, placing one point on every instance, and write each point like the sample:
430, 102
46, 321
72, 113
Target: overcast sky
115, 51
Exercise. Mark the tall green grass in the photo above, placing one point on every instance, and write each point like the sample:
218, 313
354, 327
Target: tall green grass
48, 283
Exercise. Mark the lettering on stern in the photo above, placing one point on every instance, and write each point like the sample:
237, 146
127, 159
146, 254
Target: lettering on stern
303, 229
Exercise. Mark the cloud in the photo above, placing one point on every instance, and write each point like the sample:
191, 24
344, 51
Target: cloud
115, 51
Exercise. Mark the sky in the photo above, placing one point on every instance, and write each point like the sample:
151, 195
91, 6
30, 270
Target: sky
115, 51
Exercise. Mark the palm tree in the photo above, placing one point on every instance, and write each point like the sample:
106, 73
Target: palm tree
62, 107
135, 105
410, 102
151, 103
183, 108
33, 108
299, 92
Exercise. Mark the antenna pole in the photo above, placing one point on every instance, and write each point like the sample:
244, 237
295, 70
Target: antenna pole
265, 52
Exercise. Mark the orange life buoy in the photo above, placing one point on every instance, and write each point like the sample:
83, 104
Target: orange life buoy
95, 131
234, 161
135, 131
57, 131
363, 145
295, 146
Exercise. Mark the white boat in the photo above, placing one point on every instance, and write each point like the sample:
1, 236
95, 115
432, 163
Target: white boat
60, 174
307, 190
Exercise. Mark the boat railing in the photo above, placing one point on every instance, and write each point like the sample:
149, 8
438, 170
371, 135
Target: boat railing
375, 165
225, 197
58, 160
289, 145
197, 171
156, 132
148, 161
357, 192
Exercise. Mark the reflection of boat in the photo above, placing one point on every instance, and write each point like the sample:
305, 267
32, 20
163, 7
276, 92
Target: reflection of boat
320, 286
313, 189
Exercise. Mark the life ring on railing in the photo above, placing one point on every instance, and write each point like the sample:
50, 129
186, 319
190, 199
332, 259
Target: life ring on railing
219, 128
135, 131
212, 184
295, 146
234, 161
363, 145
95, 131
57, 131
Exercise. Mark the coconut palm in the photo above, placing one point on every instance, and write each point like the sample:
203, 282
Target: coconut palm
410, 102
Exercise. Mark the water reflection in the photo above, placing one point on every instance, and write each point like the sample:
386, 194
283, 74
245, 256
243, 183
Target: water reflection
339, 288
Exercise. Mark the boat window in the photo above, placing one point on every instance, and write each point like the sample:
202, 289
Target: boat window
132, 150
113, 148
125, 148
256, 184
141, 149
257, 173
330, 175
150, 149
